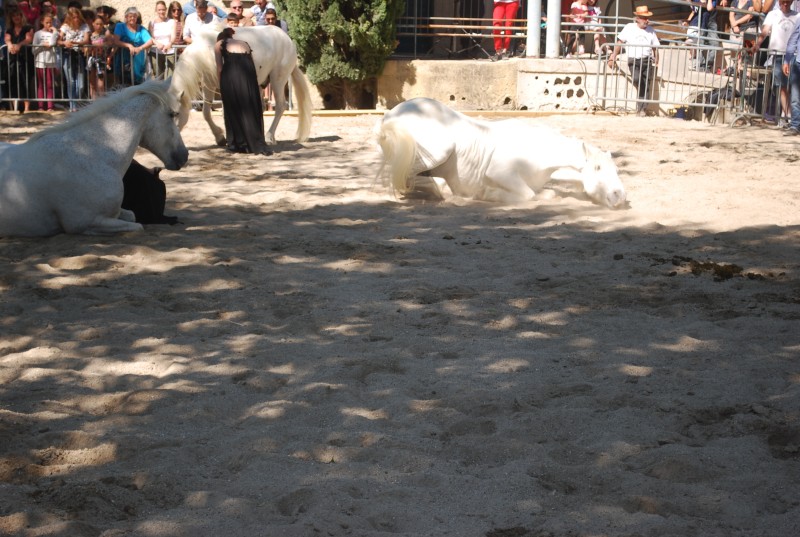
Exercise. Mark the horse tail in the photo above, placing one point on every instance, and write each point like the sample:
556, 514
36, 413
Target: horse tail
399, 153
304, 106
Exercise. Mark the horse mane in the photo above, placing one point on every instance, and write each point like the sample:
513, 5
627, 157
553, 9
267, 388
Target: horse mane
195, 66
156, 88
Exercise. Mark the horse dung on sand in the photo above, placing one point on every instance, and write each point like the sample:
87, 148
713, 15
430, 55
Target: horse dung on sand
94, 148
507, 161
275, 57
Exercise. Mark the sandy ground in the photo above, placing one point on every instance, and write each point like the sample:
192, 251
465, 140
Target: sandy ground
307, 355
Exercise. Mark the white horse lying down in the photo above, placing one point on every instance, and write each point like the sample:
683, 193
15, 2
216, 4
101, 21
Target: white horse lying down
507, 161
69, 177
275, 56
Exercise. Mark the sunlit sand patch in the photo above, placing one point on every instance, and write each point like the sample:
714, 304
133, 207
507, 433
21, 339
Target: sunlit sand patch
508, 365
636, 370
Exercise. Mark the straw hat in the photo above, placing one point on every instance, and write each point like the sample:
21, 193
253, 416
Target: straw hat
642, 11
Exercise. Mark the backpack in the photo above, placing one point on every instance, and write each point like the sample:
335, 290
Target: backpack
146, 195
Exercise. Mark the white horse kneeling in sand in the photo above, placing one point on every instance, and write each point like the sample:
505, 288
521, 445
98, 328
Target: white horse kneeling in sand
68, 178
506, 161
275, 58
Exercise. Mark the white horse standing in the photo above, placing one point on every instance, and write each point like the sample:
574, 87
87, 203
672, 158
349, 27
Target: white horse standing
507, 161
69, 177
275, 57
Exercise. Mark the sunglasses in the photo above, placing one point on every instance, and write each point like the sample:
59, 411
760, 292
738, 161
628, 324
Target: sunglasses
237, 7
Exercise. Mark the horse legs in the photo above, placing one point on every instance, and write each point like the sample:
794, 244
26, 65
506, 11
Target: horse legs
279, 89
505, 184
219, 135
427, 187
103, 225
448, 170
128, 216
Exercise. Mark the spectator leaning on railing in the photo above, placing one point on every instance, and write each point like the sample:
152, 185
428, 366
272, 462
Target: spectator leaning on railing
641, 47
703, 20
45, 61
778, 26
18, 35
791, 68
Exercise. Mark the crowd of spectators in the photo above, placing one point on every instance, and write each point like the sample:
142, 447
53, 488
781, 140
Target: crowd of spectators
59, 58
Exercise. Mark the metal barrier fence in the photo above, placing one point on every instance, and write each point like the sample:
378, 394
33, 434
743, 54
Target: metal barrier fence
727, 83
76, 77
712, 79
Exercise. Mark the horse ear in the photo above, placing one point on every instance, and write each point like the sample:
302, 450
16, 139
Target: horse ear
588, 151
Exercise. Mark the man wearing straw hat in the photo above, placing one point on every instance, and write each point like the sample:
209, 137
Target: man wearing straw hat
641, 44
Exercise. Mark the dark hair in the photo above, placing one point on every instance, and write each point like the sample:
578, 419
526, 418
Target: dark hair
227, 33
172, 7
107, 10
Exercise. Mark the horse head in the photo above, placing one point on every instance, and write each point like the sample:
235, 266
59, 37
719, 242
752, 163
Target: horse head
161, 135
600, 178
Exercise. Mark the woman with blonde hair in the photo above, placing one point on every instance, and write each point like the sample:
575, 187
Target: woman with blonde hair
74, 35
162, 53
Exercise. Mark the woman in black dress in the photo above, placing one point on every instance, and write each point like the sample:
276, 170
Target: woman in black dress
242, 104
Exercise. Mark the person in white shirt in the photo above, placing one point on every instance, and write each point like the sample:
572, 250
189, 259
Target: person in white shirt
45, 61
257, 12
194, 23
641, 47
778, 26
162, 53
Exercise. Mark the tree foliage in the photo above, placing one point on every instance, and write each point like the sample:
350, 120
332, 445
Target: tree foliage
342, 40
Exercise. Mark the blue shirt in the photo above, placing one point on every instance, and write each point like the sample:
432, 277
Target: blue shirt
137, 39
792, 46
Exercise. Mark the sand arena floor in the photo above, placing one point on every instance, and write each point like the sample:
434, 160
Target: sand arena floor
308, 355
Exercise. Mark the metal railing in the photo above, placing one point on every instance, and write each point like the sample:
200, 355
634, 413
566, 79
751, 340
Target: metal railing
735, 84
73, 76
702, 74
712, 79
76, 77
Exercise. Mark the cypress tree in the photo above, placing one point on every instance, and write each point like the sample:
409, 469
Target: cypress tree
343, 44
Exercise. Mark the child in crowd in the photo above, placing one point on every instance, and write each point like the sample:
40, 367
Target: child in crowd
45, 61
596, 26
579, 13
98, 56
48, 9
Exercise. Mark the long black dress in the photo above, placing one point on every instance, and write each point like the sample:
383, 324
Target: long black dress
242, 104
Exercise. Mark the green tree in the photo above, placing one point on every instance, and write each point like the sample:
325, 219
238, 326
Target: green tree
343, 44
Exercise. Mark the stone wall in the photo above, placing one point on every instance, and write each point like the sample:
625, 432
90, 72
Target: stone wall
518, 83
